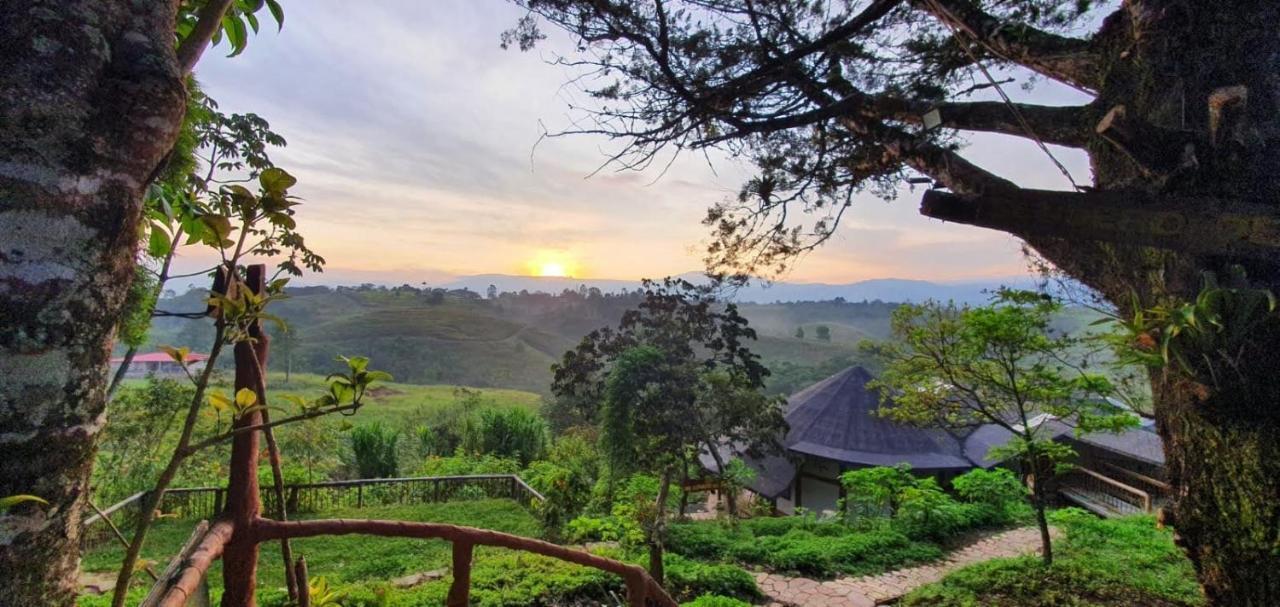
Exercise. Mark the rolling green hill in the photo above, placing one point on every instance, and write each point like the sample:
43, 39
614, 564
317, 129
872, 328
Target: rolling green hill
455, 338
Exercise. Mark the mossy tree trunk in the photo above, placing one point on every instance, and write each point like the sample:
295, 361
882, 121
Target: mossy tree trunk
1199, 84
91, 100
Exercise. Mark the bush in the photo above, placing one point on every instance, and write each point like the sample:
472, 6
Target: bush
715, 600
462, 465
686, 579
807, 547
507, 433
701, 540
998, 488
1113, 562
565, 492
374, 447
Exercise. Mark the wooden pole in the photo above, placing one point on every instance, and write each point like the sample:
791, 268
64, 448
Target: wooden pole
460, 591
304, 584
240, 563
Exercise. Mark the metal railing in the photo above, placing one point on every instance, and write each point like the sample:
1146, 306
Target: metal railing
199, 503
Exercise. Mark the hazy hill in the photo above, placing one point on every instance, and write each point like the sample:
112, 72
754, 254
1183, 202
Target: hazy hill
882, 289
437, 337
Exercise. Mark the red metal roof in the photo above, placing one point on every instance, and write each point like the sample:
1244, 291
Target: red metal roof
161, 357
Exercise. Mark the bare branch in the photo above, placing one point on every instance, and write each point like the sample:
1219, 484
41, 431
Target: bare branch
1069, 60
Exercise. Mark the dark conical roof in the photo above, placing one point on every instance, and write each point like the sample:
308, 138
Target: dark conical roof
837, 419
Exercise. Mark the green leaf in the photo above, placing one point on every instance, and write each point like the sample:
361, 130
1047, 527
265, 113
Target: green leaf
276, 180
13, 500
373, 376
236, 33
158, 241
277, 13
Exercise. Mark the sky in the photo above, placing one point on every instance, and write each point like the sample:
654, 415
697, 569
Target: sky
415, 140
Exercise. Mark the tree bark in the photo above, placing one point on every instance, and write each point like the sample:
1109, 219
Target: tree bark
1223, 449
244, 503
1169, 65
91, 99
658, 533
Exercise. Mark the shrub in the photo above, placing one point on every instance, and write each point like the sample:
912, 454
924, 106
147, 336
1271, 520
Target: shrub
707, 541
508, 433
461, 465
374, 447
686, 579
715, 600
565, 492
875, 492
1113, 562
998, 488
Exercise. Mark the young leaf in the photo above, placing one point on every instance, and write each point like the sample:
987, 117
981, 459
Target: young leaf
13, 500
245, 398
219, 401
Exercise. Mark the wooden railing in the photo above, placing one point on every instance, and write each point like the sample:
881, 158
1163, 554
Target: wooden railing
1112, 493
203, 503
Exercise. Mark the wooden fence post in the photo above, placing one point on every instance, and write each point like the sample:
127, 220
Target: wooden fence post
460, 591
636, 587
304, 585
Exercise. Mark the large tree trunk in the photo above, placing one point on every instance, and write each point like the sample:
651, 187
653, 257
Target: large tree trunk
1206, 74
90, 101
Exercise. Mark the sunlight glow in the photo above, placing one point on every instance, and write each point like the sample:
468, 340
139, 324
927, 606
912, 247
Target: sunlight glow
552, 263
552, 268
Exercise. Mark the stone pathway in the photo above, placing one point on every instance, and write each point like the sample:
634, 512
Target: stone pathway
869, 591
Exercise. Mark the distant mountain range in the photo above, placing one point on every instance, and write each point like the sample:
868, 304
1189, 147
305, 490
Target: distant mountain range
883, 289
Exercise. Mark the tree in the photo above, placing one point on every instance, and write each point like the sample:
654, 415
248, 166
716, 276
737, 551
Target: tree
492, 292
799, 332
674, 378
91, 102
960, 367
835, 98
822, 332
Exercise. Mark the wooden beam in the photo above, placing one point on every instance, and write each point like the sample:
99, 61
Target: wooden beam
1200, 226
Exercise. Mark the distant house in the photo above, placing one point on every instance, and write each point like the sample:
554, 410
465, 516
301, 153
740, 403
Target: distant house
159, 364
834, 427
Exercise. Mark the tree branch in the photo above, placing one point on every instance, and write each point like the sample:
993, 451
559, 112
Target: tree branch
1194, 225
208, 22
1062, 58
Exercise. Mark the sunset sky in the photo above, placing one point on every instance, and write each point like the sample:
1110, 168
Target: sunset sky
412, 135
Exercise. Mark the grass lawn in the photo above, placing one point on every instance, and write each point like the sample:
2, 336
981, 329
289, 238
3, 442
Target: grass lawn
391, 402
1101, 563
355, 562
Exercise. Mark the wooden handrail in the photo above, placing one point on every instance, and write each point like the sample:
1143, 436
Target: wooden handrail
181, 583
113, 508
1143, 495
519, 482
1155, 482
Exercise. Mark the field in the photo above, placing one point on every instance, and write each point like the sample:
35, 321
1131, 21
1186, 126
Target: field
351, 562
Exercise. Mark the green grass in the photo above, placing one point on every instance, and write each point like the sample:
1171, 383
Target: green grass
392, 402
361, 567
1101, 563
345, 561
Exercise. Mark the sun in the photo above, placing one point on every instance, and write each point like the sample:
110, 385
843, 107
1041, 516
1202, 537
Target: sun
552, 268
552, 263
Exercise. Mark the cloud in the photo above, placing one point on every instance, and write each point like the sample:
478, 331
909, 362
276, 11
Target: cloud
413, 136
